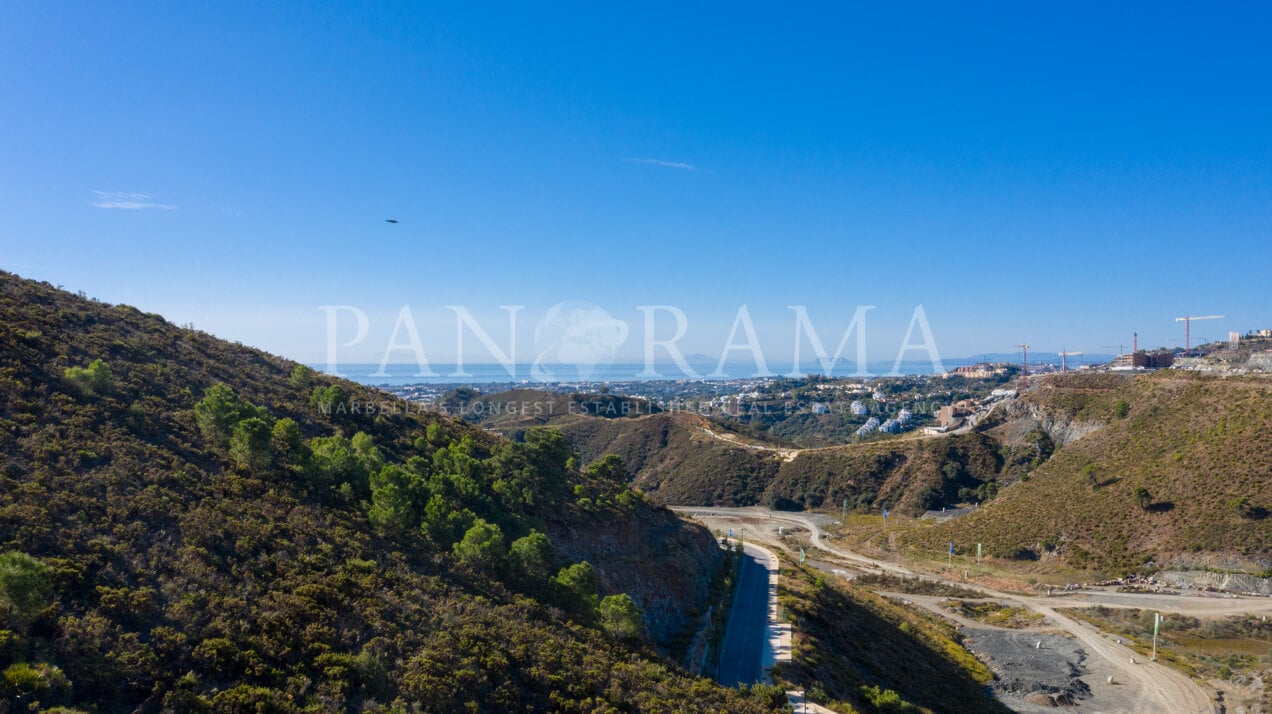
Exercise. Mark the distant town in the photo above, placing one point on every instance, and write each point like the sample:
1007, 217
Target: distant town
875, 407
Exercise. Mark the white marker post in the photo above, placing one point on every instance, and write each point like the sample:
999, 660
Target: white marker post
1157, 626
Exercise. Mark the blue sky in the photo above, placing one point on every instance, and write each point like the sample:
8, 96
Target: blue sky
1061, 175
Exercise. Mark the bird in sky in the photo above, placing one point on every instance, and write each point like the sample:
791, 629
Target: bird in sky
390, 220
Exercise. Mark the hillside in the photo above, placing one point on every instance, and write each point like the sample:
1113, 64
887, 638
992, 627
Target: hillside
675, 459
834, 617
1168, 469
192, 525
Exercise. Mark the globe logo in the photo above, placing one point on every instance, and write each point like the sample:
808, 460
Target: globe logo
575, 334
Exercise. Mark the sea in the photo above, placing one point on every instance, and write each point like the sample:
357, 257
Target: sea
495, 373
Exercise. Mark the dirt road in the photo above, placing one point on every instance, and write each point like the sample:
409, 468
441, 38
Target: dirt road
1143, 686
734, 440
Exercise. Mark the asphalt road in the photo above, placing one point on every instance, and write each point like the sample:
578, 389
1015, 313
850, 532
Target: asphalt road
745, 633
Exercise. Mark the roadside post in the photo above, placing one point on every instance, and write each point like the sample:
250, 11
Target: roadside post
1157, 627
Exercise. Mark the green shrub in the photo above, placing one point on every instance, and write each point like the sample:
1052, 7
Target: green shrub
219, 411
38, 679
620, 617
300, 377
25, 585
94, 379
886, 700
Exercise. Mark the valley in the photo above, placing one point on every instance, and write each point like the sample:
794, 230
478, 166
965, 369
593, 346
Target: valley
1137, 686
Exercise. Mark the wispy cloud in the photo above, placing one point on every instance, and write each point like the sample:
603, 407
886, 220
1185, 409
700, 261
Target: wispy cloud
129, 201
665, 164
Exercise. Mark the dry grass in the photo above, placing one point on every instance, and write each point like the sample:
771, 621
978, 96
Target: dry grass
860, 649
1196, 445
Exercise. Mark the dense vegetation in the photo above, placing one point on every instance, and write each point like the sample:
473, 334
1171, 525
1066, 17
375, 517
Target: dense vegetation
674, 460
191, 525
911, 476
1180, 476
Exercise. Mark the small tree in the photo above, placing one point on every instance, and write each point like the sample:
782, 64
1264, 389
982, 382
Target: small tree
482, 545
619, 616
334, 462
300, 377
436, 437
368, 453
1143, 497
287, 444
987, 491
575, 587
332, 400
392, 499
609, 468
443, 523
533, 557
219, 410
250, 444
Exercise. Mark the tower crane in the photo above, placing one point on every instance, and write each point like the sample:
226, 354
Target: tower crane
1024, 367
1188, 320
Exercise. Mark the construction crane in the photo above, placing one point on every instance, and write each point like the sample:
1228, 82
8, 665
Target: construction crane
1188, 320
1064, 365
1024, 367
1134, 345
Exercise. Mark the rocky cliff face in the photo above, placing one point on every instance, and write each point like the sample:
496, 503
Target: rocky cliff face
1020, 417
1228, 363
1228, 582
663, 562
